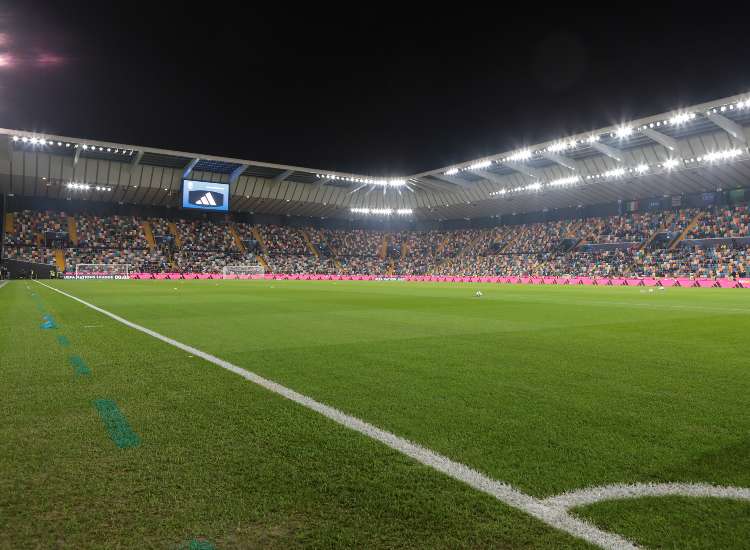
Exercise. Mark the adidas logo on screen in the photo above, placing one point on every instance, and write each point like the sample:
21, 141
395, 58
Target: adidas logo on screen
206, 198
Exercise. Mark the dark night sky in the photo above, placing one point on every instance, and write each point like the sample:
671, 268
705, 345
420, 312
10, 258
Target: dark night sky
370, 89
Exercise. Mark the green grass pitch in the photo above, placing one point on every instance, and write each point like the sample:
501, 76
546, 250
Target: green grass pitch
549, 389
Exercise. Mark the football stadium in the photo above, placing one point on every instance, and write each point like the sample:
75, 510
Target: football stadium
360, 279
539, 348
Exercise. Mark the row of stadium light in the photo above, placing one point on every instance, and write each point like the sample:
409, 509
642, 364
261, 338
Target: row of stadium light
87, 187
383, 211
639, 170
83, 146
393, 182
621, 132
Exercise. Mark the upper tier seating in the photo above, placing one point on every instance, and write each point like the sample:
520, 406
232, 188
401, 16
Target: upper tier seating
110, 232
725, 222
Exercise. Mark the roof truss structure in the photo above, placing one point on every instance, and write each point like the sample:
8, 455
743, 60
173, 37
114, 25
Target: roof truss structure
698, 148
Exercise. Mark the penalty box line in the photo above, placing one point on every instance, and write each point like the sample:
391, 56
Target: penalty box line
554, 516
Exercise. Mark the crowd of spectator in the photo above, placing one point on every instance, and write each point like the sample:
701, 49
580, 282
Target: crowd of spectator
354, 243
32, 227
720, 261
114, 232
205, 236
34, 254
724, 223
281, 263
209, 261
160, 227
137, 259
280, 239
636, 228
542, 237
572, 247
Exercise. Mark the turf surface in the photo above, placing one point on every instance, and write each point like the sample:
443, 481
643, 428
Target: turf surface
547, 388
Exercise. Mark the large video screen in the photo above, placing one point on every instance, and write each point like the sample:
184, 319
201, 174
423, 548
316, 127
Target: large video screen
204, 195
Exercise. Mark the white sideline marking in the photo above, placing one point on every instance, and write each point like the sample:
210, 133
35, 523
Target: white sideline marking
554, 515
591, 495
5, 283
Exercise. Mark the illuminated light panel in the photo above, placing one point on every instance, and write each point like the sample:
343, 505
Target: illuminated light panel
565, 181
557, 147
616, 173
451, 172
393, 182
520, 156
479, 165
681, 118
671, 163
641, 168
715, 156
624, 131
86, 187
382, 211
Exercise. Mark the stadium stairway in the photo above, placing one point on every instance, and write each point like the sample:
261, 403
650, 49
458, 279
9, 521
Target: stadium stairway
310, 244
441, 246
264, 263
72, 231
513, 235
404, 250
391, 267
332, 250
60, 259
259, 238
10, 227
461, 252
685, 231
149, 234
236, 238
502, 238
589, 238
573, 232
661, 229
176, 234
383, 252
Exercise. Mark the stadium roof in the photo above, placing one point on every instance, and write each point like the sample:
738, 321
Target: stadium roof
692, 149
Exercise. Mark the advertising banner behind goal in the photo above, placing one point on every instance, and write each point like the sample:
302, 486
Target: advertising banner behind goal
100, 271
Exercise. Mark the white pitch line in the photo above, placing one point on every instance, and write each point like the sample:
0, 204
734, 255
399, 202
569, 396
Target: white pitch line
554, 516
592, 495
3, 284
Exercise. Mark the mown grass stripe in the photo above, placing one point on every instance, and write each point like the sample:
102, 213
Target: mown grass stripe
553, 516
116, 424
79, 364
